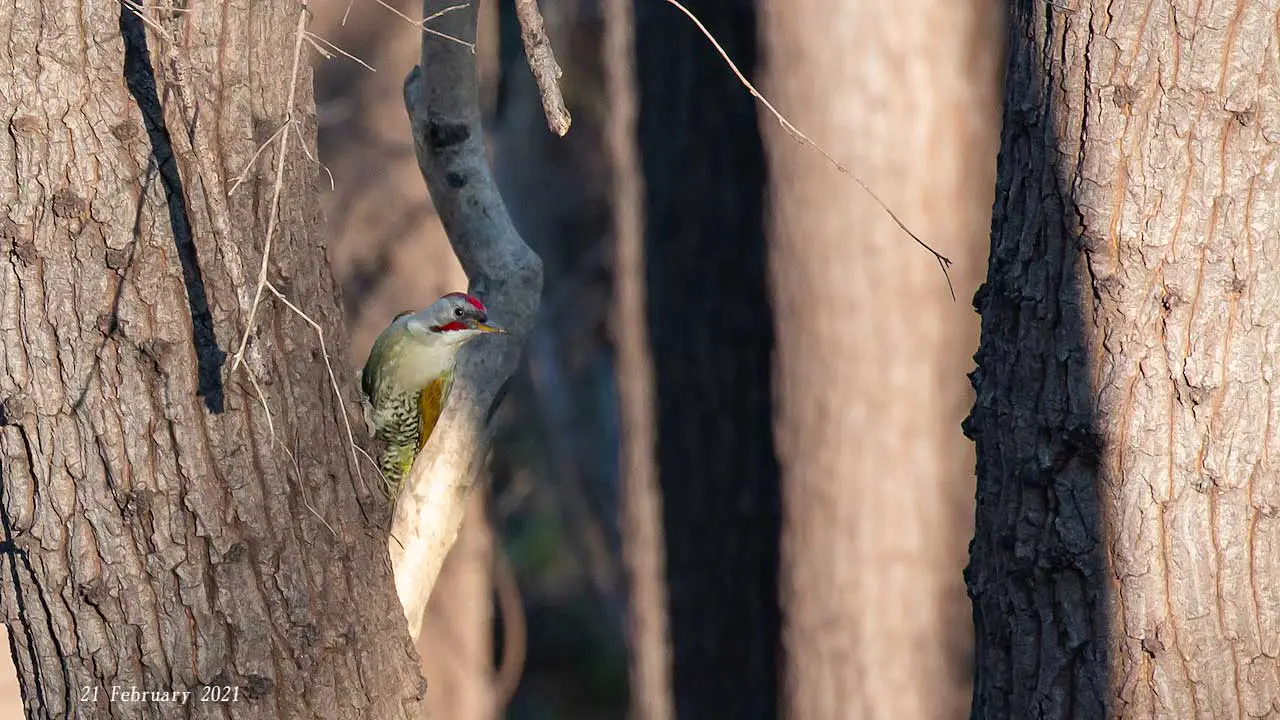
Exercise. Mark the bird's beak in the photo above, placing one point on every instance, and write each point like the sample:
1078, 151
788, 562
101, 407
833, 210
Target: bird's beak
487, 328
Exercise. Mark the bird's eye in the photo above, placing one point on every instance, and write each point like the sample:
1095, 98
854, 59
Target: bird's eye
457, 312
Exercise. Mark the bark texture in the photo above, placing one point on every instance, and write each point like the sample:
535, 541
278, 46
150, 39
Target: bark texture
871, 350
1127, 553
158, 533
711, 335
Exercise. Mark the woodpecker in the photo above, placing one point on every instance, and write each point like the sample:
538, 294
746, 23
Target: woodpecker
408, 375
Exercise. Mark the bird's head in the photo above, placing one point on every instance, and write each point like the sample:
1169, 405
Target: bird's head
417, 347
454, 318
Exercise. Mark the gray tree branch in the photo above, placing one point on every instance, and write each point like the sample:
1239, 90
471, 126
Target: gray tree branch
444, 114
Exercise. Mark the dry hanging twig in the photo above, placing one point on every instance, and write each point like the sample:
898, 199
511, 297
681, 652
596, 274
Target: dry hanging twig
542, 61
943, 261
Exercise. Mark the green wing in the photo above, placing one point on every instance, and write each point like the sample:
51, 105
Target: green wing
371, 365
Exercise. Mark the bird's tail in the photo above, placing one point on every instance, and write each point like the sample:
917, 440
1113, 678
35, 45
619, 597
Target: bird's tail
395, 463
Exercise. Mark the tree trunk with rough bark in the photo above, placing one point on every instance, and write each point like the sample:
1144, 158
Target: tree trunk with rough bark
171, 525
711, 337
1127, 553
877, 477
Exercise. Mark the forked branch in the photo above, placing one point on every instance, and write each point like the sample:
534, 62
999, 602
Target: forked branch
442, 97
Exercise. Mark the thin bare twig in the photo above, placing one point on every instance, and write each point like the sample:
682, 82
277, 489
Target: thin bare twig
542, 61
171, 9
422, 24
262, 400
943, 261
244, 174
297, 469
291, 123
281, 133
333, 186
302, 487
273, 212
328, 365
330, 48
382, 477
140, 10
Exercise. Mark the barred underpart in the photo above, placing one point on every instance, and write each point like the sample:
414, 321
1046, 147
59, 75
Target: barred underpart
397, 424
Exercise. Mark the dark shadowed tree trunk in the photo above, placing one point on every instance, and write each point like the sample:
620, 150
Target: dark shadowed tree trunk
711, 332
1127, 553
872, 352
166, 524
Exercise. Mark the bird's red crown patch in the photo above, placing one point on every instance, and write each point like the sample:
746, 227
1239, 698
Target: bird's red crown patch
474, 302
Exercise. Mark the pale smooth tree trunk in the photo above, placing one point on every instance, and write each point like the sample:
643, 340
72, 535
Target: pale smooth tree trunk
170, 524
643, 546
871, 349
1126, 561
457, 633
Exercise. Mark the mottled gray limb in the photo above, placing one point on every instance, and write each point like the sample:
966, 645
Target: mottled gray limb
444, 113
